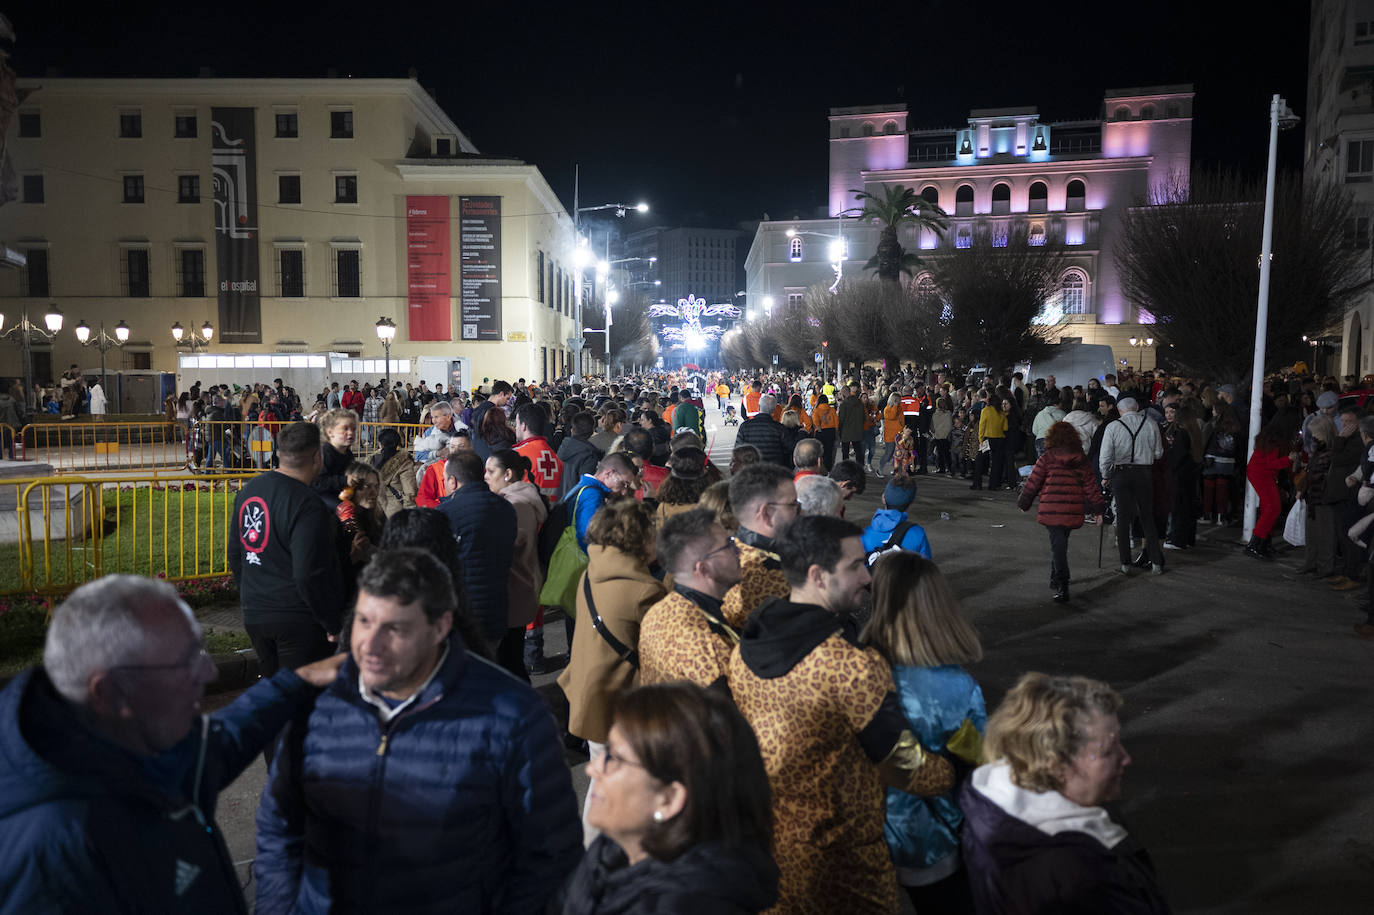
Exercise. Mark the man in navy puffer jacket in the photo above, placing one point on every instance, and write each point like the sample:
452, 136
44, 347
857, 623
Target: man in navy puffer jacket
425, 780
485, 526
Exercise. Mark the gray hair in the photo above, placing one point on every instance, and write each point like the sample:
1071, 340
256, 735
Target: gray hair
766, 403
440, 406
819, 495
97, 628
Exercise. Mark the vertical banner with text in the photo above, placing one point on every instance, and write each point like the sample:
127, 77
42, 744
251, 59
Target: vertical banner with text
479, 252
429, 289
233, 157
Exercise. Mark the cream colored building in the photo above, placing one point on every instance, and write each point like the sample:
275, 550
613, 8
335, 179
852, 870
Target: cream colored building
118, 219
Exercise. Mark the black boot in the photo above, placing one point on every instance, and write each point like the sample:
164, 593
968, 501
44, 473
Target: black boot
1265, 549
1143, 560
1061, 595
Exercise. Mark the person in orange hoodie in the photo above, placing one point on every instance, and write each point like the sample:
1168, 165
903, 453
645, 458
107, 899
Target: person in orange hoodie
827, 425
803, 417
893, 423
751, 400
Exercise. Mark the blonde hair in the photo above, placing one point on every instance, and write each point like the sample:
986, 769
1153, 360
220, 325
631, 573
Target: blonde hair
791, 419
337, 417
1039, 727
916, 619
717, 499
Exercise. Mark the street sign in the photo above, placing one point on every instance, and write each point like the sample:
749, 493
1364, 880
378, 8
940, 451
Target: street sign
818, 358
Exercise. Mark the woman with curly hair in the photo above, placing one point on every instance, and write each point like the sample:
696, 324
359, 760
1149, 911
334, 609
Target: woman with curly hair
1068, 490
687, 480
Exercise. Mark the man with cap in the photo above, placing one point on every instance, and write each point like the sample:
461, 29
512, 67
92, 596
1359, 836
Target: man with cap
1130, 445
890, 528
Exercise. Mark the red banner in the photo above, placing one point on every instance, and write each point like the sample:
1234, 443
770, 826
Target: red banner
427, 271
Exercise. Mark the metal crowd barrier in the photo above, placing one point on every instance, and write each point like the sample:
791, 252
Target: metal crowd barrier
68, 530
234, 447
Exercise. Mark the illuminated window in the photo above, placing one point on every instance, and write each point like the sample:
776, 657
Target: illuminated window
1001, 199
1075, 196
1036, 237
964, 237
794, 250
1073, 293
999, 234
890, 128
963, 200
1359, 161
1039, 197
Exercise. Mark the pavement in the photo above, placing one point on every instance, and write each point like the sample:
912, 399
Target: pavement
1246, 697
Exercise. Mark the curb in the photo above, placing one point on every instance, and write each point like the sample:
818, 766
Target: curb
238, 670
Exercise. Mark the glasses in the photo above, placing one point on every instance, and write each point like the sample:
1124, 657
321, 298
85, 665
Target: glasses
728, 545
794, 504
201, 655
610, 762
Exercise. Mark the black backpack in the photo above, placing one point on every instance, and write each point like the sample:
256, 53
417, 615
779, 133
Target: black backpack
892, 544
559, 517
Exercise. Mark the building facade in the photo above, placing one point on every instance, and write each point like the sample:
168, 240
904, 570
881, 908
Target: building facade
1339, 146
1003, 172
288, 213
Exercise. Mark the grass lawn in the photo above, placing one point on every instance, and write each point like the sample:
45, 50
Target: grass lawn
179, 532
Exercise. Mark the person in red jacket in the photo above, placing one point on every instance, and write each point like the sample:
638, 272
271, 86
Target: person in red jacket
1068, 490
353, 399
1270, 457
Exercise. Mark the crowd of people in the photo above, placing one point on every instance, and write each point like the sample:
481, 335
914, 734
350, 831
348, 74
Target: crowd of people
773, 698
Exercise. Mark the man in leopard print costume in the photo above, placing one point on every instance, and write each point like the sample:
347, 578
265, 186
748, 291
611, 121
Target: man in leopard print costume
764, 499
830, 727
683, 636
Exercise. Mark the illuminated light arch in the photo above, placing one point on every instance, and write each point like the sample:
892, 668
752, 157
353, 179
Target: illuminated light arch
691, 333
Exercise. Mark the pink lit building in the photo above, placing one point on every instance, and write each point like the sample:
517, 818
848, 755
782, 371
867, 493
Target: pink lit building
1005, 171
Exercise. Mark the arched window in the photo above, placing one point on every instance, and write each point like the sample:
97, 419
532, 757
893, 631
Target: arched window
1039, 197
924, 286
1073, 293
794, 249
1001, 199
1121, 114
963, 200
890, 128
868, 129
1147, 113
1075, 196
931, 195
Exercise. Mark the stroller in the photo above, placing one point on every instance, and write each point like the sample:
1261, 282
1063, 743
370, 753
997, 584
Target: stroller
731, 418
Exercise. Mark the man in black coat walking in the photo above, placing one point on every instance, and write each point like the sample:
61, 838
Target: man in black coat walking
485, 527
765, 433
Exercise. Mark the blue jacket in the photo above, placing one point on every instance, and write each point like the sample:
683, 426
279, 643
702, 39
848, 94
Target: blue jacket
485, 526
584, 506
937, 701
885, 521
461, 803
87, 826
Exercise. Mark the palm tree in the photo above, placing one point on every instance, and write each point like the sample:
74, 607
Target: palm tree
894, 207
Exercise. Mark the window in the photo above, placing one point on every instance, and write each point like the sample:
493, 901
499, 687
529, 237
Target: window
185, 126
964, 237
291, 273
1147, 113
188, 188
1039, 197
136, 272
539, 273
890, 128
1357, 233
30, 124
133, 188
130, 124
192, 266
1121, 114
552, 289
341, 125
1073, 293
35, 275
288, 189
1074, 196
345, 188
795, 300
347, 273
844, 133
443, 147
1359, 161
559, 290
794, 249
288, 127
1001, 199
130, 359
1364, 32
33, 189
963, 200
999, 234
868, 129
931, 195
1036, 237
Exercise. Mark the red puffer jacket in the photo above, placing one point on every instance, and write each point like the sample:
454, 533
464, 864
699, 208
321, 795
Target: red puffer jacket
1067, 488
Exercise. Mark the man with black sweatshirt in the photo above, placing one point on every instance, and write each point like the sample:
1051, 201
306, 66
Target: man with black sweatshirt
285, 560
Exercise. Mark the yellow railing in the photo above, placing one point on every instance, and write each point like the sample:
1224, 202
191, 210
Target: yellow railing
73, 529
87, 447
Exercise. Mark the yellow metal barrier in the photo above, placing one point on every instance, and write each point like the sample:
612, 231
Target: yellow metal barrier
70, 529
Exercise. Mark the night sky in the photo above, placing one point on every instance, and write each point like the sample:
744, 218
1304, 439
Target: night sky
716, 113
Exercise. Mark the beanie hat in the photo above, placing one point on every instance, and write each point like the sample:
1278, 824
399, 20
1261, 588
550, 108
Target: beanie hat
898, 497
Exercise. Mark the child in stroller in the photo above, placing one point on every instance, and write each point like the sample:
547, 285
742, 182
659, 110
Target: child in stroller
731, 418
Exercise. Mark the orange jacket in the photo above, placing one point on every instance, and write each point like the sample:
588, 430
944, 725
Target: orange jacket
892, 422
825, 417
870, 417
751, 401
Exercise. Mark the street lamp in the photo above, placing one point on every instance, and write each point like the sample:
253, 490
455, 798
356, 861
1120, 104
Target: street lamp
386, 332
103, 342
582, 256
24, 331
838, 250
1141, 345
195, 342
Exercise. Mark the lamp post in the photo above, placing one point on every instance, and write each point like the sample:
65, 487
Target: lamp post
1141, 345
195, 342
24, 331
838, 251
582, 256
765, 300
103, 342
386, 332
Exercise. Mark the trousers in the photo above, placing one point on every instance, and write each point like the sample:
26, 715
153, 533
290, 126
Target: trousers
1134, 493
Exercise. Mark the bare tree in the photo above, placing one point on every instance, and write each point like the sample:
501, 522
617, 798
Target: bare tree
917, 326
1192, 262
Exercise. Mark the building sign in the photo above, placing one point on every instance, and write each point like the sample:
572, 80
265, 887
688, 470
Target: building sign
429, 289
517, 336
479, 253
233, 157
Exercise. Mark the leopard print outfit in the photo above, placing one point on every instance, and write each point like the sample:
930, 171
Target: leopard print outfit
828, 798
760, 578
677, 643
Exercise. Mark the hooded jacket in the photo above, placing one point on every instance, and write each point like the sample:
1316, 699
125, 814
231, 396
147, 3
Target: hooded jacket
398, 487
1067, 487
525, 576
885, 521
1038, 852
579, 457
707, 878
87, 826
